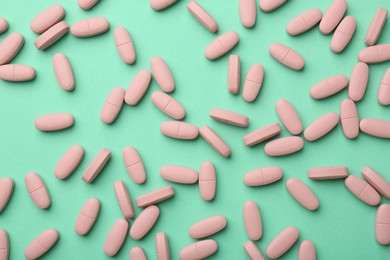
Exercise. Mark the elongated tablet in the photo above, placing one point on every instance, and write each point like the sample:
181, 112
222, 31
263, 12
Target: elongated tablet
3, 25
263, 176
116, 237
328, 173
179, 130
90, 27
375, 127
221, 45
234, 74
155, 196
199, 250
248, 13
333, 16
289, 116
202, 16
112, 106
207, 227
179, 174
358, 81
47, 18
162, 246
87, 4
6, 190
382, 224
63, 72
4, 245
384, 89
349, 118
10, 47
51, 36
124, 45
307, 251
329, 87
138, 87
286, 56
375, 54
282, 242
54, 122
69, 162
87, 216
253, 82
253, 251
270, 5
376, 26
302, 194
284, 146
134, 165
17, 72
343, 34
304, 22
162, 74
37, 190
321, 126
261, 134
362, 190
207, 181
124, 200
377, 181
137, 253
252, 220
168, 105
41, 244
96, 165
144, 222
229, 117
215, 141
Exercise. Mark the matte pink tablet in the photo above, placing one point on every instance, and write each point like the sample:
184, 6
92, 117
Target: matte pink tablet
375, 127
3, 25
168, 105
138, 87
137, 253
307, 251
199, 250
304, 22
270, 5
37, 190
155, 196
286, 56
248, 13
349, 118
87, 216
41, 244
375, 54
329, 87
179, 174
144, 222
328, 173
362, 190
69, 162
215, 141
10, 46
377, 181
263, 176
87, 4
96, 165
358, 81
47, 18
234, 74
229, 117
162, 246
116, 237
51, 36
321, 126
112, 106
289, 116
54, 122
207, 227
253, 82
179, 130
159, 5
302, 194
162, 74
375, 29
63, 72
221, 45
202, 16
124, 45
4, 245
134, 165
384, 89
252, 220
382, 224
261, 134
17, 72
6, 190
333, 16
343, 34
284, 146
282, 242
90, 27
253, 251
124, 200
207, 181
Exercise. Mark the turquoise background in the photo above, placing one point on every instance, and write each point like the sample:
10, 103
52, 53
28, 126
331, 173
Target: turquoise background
342, 227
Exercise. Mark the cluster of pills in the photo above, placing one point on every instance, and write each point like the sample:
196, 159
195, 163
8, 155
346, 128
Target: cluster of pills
51, 28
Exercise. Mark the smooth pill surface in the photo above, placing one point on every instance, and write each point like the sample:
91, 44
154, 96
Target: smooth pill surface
51, 36
248, 13
158, 5
362, 190
284, 146
124, 45
253, 251
382, 224
63, 72
289, 116
17, 72
144, 222
37, 190
307, 251
234, 74
358, 81
377, 181
270, 5
207, 181
179, 174
263, 176
221, 45
6, 190
179, 130
116, 237
321, 126
168, 105
304, 22
302, 193
253, 83
328, 173
41, 244
261, 134
87, 4
375, 127
199, 250
202, 16
329, 87
124, 200
134, 165
229, 117
215, 141
384, 89
155, 196
137, 253
47, 18
343, 34
286, 56
112, 106
90, 27
3, 25
375, 54
376, 26
138, 87
349, 118
333, 16
69, 162
96, 166
162, 74
252, 220
54, 122
87, 216
4, 245
207, 227
10, 46
282, 242
162, 246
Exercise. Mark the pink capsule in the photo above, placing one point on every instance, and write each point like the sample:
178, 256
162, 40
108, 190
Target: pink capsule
87, 4
124, 199
229, 117
179, 130
377, 181
253, 83
168, 105
329, 87
261, 134
155, 196
248, 13
375, 127
302, 194
234, 74
96, 166
3, 25
87, 216
375, 54
6, 190
4, 245
162, 74
207, 227
116, 237
384, 89
286, 56
362, 190
263, 176
134, 165
343, 34
333, 16
321, 126
63, 72
252, 220
144, 222
137, 253
282, 242
10, 47
284, 146
349, 118
36, 249
221, 45
304, 22
47, 18
253, 251
215, 141
202, 16
199, 250
179, 174
307, 251
328, 173
54, 122
52, 35
159, 5
376, 26
289, 116
124, 45
90, 27
138, 87
37, 190
162, 247
382, 224
69, 162
112, 106
270, 5
358, 81
17, 72
207, 181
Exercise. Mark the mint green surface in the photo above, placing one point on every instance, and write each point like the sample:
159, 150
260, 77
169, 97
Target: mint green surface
342, 227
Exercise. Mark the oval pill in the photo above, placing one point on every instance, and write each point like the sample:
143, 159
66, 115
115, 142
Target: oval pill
90, 27
253, 83
302, 193
349, 118
261, 134
144, 222
168, 105
252, 220
253, 251
54, 122
333, 16
321, 126
6, 190
47, 18
207, 227
37, 190
286, 56
376, 181
270, 5
375, 54
3, 25
248, 13
343, 34
155, 196
41, 244
207, 181
284, 146
112, 106
63, 72
162, 74
69, 162
382, 224
87, 216
17, 72
10, 46
123, 197
134, 165
329, 87
263, 176
229, 117
116, 237
221, 45
179, 130
215, 141
179, 174
162, 246
282, 242
304, 22
307, 251
124, 45
158, 5
137, 253
362, 190
289, 116
199, 250
234, 74
358, 81
384, 89
376, 26
4, 245
202, 16
375, 127
138, 87
96, 166
51, 36
87, 4
328, 173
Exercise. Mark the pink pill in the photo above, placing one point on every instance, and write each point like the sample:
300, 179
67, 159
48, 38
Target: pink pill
41, 244
162, 74
375, 54
168, 105
252, 220
263, 176
253, 251
3, 25
221, 45
307, 251
87, 4
134, 165
384, 89
282, 242
207, 227
343, 34
124, 45
289, 116
207, 181
321, 126
261, 134
69, 162
376, 26
138, 87
10, 46
51, 36
333, 16
304, 22
253, 83
286, 56
124, 200
47, 18
328, 173
112, 106
382, 224
155, 196
179, 130
87, 216
377, 181
215, 141
96, 166
234, 74
179, 174
199, 250
54, 122
329, 87
63, 72
90, 27
362, 190
4, 245
229, 117
6, 190
17, 72
159, 5
202, 16
358, 81
116, 237
144, 222
349, 118
162, 246
37, 190
137, 253
284, 146
248, 13
270, 5
375, 127
302, 194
